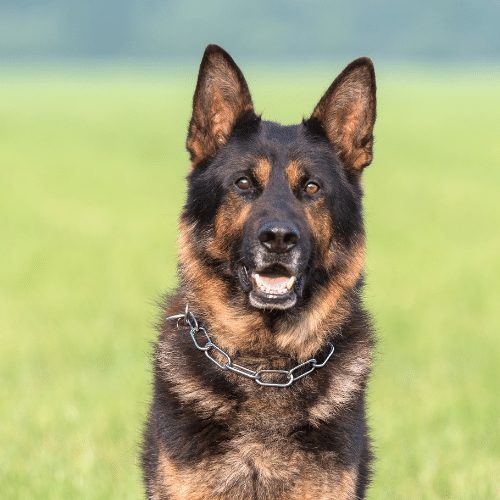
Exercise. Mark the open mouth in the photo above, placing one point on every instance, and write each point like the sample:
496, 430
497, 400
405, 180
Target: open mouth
271, 288
273, 284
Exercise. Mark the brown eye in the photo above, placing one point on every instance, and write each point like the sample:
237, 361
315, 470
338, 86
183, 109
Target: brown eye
311, 188
243, 183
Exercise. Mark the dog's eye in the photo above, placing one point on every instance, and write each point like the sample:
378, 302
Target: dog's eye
311, 188
243, 183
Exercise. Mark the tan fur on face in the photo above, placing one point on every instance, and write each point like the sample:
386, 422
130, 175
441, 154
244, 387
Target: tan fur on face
294, 174
262, 171
229, 223
320, 223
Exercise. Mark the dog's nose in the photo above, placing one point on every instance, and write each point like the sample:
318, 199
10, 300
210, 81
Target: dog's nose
278, 237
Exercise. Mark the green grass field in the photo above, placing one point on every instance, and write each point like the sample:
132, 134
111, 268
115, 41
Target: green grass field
91, 181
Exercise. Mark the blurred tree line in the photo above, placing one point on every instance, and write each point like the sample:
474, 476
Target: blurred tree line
257, 29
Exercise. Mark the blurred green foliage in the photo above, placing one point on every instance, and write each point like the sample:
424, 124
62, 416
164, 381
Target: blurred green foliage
92, 179
258, 30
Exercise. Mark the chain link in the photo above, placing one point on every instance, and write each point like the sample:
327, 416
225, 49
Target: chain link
287, 377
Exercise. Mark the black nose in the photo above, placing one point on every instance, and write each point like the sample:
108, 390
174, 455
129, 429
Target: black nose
278, 237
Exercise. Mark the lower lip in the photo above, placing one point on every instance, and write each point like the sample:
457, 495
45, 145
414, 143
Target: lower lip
269, 301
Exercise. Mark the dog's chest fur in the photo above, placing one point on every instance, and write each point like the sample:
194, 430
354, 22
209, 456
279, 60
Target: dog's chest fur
214, 434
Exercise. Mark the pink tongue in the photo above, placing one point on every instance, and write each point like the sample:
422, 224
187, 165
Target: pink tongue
274, 280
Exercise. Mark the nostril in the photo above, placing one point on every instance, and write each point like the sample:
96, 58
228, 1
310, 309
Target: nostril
266, 237
291, 239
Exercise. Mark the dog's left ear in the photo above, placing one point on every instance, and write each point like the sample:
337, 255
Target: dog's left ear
221, 99
346, 114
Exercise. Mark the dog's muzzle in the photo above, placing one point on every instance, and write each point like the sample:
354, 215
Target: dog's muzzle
272, 273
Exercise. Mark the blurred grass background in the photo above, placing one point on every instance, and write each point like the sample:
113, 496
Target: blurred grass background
92, 178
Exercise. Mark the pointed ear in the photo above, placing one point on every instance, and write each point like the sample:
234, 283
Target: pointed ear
221, 98
346, 114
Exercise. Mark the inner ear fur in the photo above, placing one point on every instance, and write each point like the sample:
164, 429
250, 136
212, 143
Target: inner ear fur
346, 114
221, 99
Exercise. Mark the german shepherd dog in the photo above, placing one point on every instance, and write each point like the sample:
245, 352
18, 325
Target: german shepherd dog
261, 365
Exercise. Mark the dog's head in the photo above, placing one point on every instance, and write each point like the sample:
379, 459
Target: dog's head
276, 210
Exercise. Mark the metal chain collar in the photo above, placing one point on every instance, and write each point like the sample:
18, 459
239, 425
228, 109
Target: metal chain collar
210, 349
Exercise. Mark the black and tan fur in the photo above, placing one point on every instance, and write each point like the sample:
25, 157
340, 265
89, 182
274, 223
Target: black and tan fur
212, 434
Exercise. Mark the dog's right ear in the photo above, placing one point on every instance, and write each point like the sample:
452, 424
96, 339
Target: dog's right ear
221, 99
